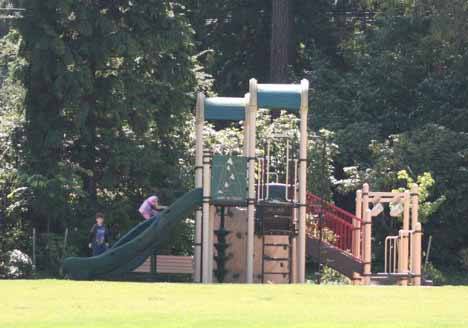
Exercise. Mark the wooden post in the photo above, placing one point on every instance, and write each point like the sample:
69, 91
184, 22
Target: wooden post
416, 249
403, 255
199, 122
406, 210
356, 241
294, 240
211, 243
403, 267
252, 117
365, 198
357, 226
414, 206
293, 260
367, 247
364, 235
246, 126
416, 260
206, 216
303, 145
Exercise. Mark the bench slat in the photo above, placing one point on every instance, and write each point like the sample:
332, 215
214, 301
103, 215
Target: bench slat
174, 264
169, 264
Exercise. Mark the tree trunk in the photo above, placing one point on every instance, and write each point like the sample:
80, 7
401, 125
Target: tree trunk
280, 51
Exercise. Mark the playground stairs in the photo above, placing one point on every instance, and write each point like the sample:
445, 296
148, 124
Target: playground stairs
334, 248
333, 257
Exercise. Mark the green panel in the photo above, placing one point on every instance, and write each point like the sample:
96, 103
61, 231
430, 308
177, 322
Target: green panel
280, 96
224, 109
135, 247
229, 180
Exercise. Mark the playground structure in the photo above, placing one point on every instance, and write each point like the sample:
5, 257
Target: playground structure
402, 252
221, 191
254, 223
277, 239
350, 251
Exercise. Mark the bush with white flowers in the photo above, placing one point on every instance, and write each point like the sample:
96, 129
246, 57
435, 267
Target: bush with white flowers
15, 264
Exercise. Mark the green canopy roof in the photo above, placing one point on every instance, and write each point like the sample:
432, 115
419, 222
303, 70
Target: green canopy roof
224, 109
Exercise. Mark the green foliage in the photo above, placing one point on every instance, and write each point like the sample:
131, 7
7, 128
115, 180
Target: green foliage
107, 87
225, 29
432, 273
402, 93
333, 277
322, 153
424, 183
463, 254
15, 235
51, 250
93, 117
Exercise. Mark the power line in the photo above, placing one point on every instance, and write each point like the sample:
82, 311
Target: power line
11, 13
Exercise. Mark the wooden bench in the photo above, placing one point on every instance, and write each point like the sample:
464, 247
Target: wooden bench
167, 264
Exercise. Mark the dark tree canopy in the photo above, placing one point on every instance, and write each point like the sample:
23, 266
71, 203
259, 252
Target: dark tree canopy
96, 99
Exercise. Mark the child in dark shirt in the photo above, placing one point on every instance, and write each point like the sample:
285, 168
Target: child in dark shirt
99, 236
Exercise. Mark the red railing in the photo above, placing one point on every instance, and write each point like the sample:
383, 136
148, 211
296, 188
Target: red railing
339, 222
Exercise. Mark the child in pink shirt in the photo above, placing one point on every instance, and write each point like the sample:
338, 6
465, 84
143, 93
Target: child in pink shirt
150, 208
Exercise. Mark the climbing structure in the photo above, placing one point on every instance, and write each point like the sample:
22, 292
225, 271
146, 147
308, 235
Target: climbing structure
230, 185
253, 226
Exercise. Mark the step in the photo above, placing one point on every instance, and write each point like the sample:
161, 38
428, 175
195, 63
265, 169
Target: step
277, 232
270, 258
281, 273
276, 245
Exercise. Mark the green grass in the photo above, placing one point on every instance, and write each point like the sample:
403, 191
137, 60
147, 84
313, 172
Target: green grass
49, 304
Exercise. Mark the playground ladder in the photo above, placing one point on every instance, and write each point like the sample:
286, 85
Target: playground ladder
276, 220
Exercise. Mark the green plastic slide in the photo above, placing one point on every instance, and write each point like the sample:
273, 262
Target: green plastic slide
134, 247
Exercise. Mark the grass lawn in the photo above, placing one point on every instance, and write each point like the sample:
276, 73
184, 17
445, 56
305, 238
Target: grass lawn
50, 304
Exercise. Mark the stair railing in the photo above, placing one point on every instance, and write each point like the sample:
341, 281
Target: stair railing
341, 223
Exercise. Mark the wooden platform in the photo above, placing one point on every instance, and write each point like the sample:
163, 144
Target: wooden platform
394, 279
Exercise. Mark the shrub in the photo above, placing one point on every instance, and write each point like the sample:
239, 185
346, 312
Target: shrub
434, 274
464, 258
15, 264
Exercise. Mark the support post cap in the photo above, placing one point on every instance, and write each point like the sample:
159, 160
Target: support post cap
365, 187
253, 92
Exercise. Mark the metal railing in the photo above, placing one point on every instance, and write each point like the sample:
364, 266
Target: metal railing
316, 202
340, 222
392, 244
393, 253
